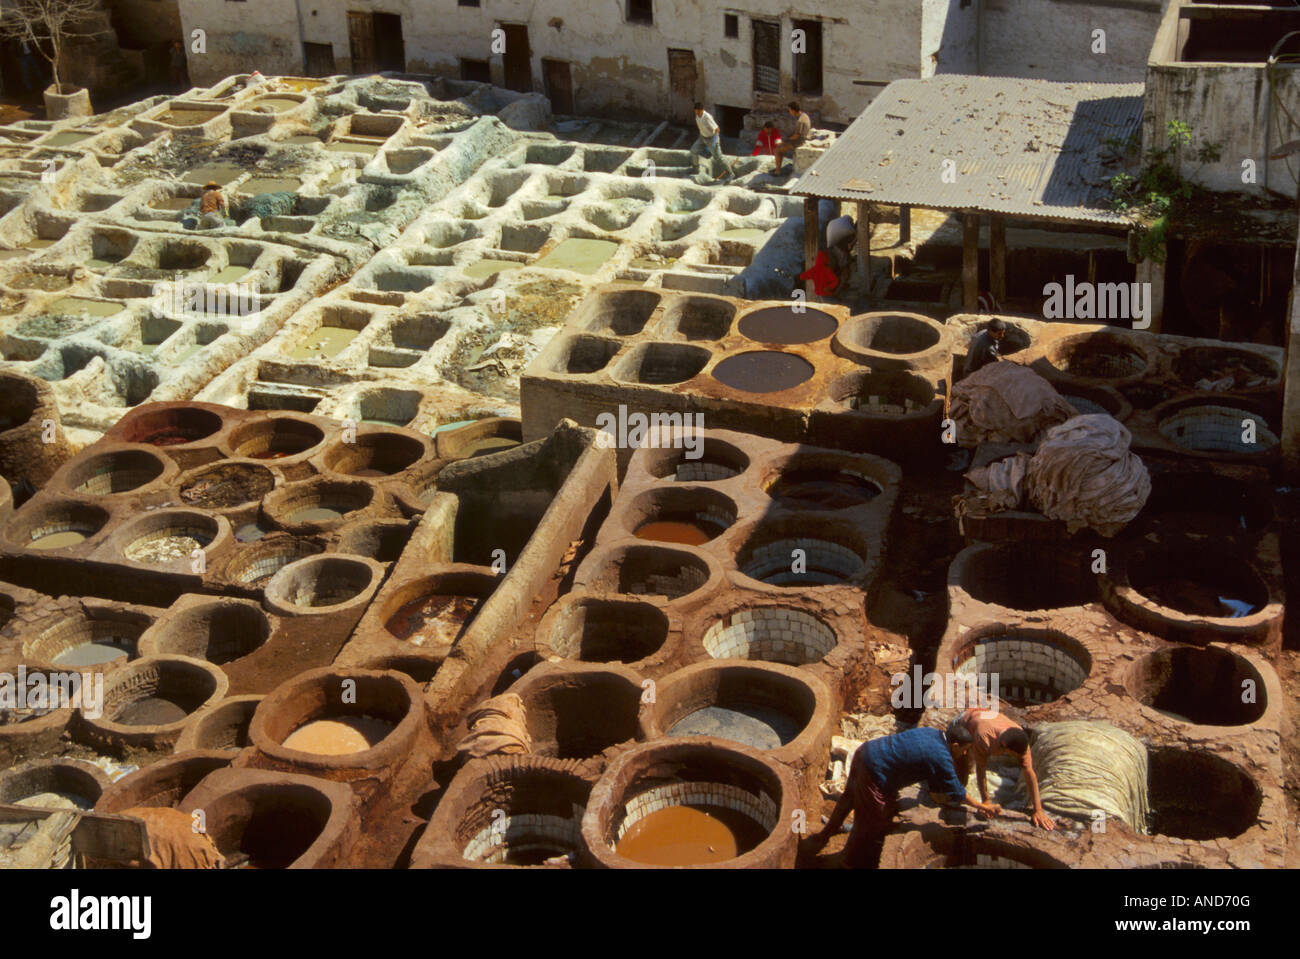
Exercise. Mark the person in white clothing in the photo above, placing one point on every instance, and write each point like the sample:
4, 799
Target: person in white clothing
709, 142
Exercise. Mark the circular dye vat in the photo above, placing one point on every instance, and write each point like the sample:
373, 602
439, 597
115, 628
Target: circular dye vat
314, 514
1201, 591
226, 485
821, 489
689, 532
434, 619
339, 737
151, 711
66, 537
757, 726
93, 654
689, 836
781, 324
763, 371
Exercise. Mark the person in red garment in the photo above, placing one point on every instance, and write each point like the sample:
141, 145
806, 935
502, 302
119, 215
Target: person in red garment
768, 139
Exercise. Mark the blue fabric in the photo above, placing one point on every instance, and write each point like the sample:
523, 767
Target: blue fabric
917, 755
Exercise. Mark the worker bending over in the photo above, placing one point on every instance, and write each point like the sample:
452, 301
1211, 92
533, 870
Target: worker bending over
981, 733
880, 768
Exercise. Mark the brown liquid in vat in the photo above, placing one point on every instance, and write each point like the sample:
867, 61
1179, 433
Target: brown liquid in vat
689, 836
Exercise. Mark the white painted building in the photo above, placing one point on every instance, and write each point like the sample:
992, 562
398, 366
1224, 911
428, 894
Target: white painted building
653, 58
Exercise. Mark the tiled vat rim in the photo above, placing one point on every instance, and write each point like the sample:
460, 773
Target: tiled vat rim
1114, 649
759, 806
1037, 669
525, 831
767, 561
770, 632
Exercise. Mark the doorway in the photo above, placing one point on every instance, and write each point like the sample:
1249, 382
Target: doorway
318, 59
517, 58
557, 76
390, 50
682, 76
375, 42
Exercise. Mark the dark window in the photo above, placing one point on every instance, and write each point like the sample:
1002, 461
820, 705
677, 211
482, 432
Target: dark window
467, 3
640, 11
808, 65
767, 56
477, 70
731, 120
730, 25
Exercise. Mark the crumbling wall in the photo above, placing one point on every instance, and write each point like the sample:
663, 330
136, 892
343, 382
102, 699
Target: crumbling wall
241, 38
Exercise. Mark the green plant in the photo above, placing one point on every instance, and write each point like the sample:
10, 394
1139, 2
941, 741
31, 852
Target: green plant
1157, 192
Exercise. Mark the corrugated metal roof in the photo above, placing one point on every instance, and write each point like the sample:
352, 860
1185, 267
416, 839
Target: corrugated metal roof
1023, 147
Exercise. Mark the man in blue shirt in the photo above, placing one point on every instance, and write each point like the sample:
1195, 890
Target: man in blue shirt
880, 768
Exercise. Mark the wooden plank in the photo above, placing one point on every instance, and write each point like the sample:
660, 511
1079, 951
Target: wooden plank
119, 838
864, 244
904, 224
811, 234
998, 258
970, 261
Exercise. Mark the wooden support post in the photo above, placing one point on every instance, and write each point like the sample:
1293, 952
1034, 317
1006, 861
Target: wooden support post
810, 237
970, 261
864, 244
904, 224
998, 258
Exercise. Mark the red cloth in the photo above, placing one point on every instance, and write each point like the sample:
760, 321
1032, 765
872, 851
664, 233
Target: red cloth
766, 144
824, 280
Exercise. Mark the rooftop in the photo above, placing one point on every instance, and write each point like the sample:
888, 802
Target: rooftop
1028, 148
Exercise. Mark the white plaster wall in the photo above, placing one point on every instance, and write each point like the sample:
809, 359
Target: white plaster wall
949, 36
1052, 39
619, 68
1227, 105
242, 36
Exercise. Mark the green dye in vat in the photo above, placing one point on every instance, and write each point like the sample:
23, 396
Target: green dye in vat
229, 275
39, 243
187, 118
12, 254
326, 342
451, 426
485, 268
220, 173
343, 146
578, 255
270, 184
76, 304
67, 138
40, 281
173, 203
64, 537
249, 533
102, 262
314, 514
744, 235
302, 138
146, 349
